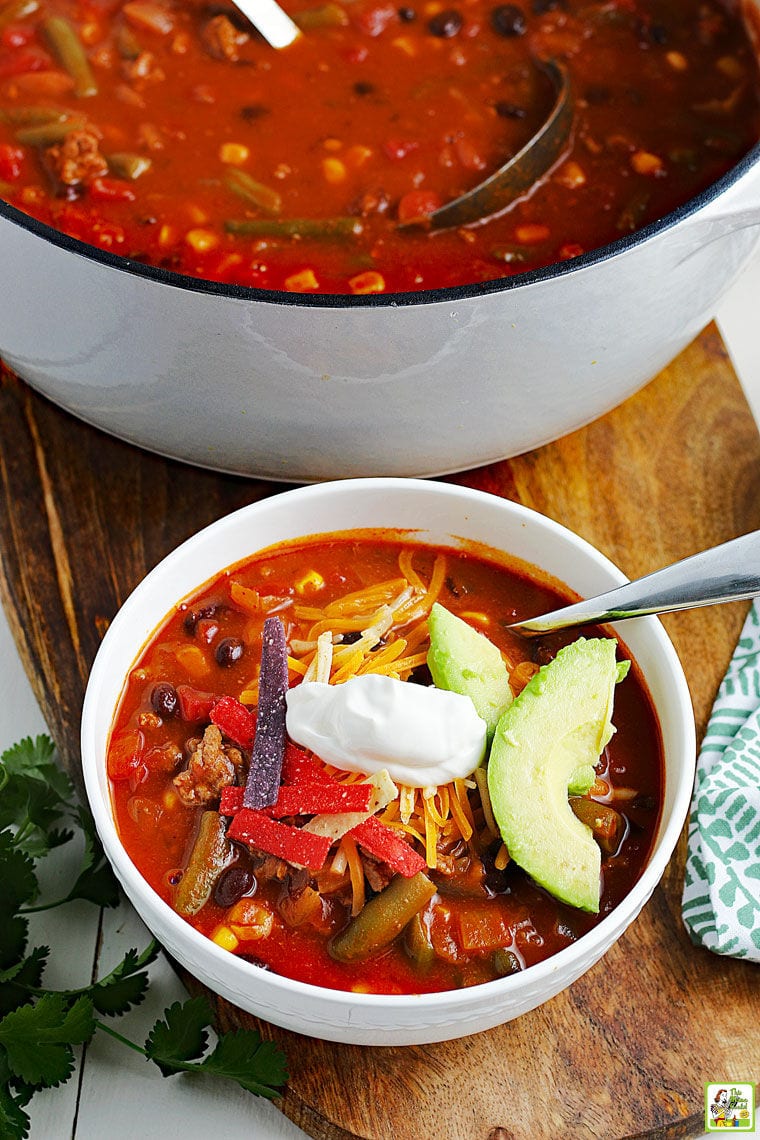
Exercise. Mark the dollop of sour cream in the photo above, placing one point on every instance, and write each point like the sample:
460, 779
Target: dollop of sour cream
422, 735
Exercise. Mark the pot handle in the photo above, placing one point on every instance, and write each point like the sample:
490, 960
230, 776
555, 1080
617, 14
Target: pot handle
738, 209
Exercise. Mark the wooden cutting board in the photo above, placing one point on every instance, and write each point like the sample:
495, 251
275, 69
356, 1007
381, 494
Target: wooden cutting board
625, 1051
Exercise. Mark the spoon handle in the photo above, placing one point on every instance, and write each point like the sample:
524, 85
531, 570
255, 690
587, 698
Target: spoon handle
727, 573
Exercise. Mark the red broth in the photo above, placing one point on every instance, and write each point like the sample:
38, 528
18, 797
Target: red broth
487, 918
181, 140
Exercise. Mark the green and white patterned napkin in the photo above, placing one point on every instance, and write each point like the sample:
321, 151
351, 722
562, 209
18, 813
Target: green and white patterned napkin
721, 896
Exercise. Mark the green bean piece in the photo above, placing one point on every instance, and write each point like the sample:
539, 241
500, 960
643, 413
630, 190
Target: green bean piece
211, 854
318, 228
129, 166
256, 192
46, 134
506, 962
33, 116
127, 43
382, 918
17, 10
325, 16
417, 942
68, 50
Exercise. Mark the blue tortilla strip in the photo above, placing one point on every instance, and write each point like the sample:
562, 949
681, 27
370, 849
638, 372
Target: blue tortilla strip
263, 783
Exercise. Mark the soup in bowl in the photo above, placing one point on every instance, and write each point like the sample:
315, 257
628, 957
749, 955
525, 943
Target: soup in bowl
346, 797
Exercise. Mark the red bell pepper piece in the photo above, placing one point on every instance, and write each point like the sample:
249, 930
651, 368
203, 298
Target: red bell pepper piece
385, 843
310, 799
110, 190
290, 843
125, 753
195, 705
236, 722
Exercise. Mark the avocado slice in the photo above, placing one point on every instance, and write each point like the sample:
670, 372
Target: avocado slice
463, 660
547, 742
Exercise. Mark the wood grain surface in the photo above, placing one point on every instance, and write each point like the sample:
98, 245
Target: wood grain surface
625, 1051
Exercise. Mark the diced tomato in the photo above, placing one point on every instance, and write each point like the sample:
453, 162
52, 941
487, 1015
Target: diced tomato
235, 721
195, 705
417, 204
125, 754
399, 148
17, 35
11, 162
386, 844
290, 843
110, 190
24, 59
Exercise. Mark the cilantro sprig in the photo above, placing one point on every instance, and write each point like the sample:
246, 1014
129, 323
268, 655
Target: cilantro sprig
39, 1027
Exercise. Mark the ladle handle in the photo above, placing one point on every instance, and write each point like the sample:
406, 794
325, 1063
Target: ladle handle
727, 573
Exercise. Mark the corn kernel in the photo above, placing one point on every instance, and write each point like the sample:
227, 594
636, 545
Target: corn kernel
677, 60
369, 282
202, 241
361, 988
90, 33
531, 233
301, 282
181, 43
196, 214
645, 163
357, 155
332, 144
166, 236
730, 66
234, 154
310, 582
404, 44
334, 170
225, 938
192, 660
170, 799
249, 912
571, 175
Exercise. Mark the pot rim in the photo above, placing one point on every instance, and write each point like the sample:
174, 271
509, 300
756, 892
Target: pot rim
457, 293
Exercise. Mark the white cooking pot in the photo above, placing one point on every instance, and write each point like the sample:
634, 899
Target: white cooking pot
302, 388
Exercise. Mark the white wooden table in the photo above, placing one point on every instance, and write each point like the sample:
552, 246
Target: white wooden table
114, 1093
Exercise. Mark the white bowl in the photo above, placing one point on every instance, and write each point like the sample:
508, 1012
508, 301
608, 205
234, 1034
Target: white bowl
436, 513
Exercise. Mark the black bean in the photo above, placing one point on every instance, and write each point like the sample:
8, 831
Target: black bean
596, 95
233, 884
540, 7
164, 700
420, 676
229, 651
508, 20
446, 24
192, 617
253, 111
349, 637
507, 110
407, 15
363, 88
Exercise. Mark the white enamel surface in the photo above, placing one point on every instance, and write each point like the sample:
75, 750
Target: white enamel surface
449, 513
301, 392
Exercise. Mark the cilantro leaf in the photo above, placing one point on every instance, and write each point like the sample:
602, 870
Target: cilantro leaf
13, 1120
181, 1037
14, 932
256, 1065
38, 1038
35, 793
17, 876
16, 982
96, 882
124, 987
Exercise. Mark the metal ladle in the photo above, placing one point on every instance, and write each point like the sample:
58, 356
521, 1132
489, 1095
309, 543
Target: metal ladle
726, 573
270, 21
523, 170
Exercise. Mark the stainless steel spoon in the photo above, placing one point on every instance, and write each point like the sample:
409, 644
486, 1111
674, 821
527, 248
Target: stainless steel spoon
521, 172
727, 573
